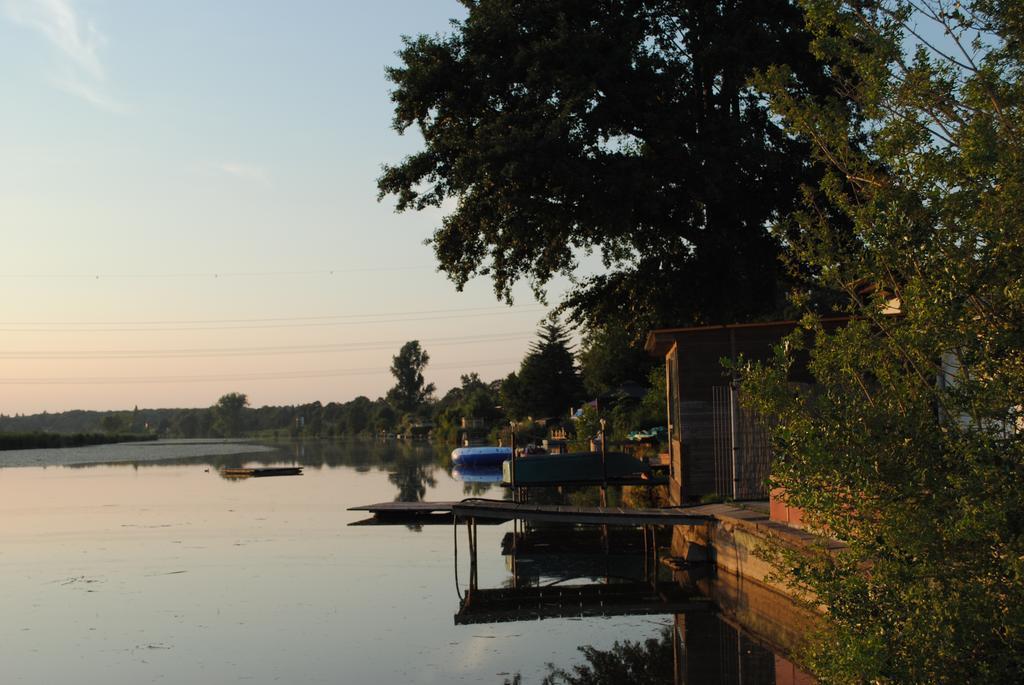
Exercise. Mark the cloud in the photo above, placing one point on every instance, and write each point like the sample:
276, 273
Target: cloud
250, 172
77, 40
90, 95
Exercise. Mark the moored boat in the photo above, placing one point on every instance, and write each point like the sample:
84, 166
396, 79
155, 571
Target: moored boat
481, 456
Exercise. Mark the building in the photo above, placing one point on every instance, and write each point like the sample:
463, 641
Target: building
718, 449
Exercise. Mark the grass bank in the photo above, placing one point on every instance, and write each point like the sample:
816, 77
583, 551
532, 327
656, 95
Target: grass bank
39, 440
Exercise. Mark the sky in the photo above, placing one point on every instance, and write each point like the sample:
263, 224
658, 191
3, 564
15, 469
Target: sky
188, 207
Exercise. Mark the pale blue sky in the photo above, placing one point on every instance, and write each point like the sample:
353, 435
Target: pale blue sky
157, 143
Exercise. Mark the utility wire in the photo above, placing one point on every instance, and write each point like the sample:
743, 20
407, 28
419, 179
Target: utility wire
220, 274
269, 376
254, 326
322, 317
184, 353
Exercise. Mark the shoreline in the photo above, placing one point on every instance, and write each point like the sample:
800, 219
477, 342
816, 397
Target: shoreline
127, 452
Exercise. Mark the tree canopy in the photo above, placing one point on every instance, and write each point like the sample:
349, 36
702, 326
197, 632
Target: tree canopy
548, 382
610, 357
410, 390
228, 414
627, 127
912, 450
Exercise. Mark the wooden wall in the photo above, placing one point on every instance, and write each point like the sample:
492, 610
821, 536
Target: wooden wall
699, 355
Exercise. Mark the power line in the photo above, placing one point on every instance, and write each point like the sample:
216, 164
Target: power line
499, 308
184, 353
218, 274
255, 326
269, 376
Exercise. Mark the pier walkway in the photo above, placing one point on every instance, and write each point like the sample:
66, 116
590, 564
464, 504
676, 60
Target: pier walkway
500, 510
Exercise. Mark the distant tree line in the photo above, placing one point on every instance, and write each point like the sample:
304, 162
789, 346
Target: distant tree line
38, 440
227, 418
552, 381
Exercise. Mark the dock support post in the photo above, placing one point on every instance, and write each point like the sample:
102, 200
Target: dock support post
646, 564
653, 549
455, 555
654, 568
512, 461
515, 554
471, 534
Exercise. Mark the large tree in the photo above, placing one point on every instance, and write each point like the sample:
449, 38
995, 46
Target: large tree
911, 447
227, 413
609, 357
356, 415
548, 382
410, 390
627, 127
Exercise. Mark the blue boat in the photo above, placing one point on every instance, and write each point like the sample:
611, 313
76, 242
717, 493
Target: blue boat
481, 456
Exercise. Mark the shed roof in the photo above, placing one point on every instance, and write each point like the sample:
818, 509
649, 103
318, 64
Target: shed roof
660, 341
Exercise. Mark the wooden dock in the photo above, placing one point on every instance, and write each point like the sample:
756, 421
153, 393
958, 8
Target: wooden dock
419, 513
499, 510
614, 516
401, 508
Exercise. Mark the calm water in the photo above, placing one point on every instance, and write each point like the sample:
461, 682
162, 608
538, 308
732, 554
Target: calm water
163, 571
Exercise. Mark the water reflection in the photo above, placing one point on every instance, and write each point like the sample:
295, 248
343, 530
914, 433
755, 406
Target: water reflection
699, 648
561, 571
412, 467
128, 573
543, 553
470, 474
572, 571
357, 454
412, 474
649, 662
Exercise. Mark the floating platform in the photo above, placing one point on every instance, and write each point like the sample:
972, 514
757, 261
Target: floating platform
262, 472
579, 468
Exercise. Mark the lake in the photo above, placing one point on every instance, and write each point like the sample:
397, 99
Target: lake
161, 570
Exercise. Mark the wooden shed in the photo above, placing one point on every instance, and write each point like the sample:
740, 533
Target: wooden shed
717, 447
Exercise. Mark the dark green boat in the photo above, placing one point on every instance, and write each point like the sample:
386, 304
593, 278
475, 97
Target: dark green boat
577, 467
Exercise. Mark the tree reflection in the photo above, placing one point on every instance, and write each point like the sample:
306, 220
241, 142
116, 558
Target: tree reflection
644, 663
412, 474
476, 489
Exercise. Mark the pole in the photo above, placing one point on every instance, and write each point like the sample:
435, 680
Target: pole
734, 434
654, 555
512, 461
604, 456
471, 534
515, 554
455, 530
734, 391
604, 467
